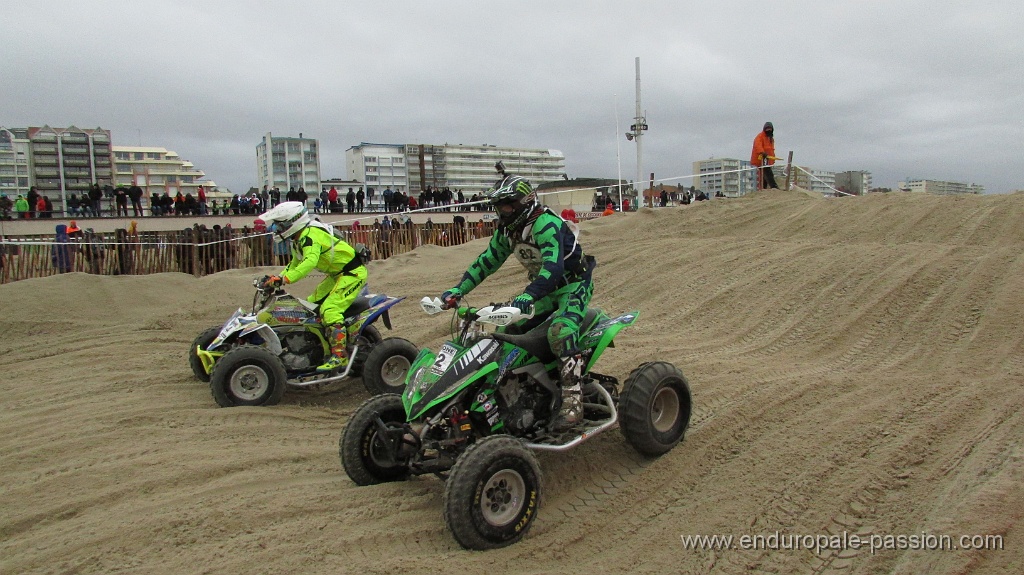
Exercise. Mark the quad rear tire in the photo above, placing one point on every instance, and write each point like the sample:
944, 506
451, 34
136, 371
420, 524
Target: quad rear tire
654, 407
363, 452
202, 340
492, 494
388, 365
248, 375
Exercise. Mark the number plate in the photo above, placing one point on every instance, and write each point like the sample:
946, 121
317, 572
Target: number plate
444, 359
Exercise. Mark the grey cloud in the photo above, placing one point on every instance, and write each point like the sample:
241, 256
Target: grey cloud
920, 89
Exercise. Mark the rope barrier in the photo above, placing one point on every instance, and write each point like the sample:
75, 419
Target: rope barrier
823, 182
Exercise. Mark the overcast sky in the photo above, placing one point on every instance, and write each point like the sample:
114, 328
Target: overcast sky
901, 88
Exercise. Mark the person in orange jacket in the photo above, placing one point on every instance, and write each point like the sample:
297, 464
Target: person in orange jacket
763, 157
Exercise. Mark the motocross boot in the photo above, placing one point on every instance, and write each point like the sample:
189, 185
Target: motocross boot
339, 356
570, 380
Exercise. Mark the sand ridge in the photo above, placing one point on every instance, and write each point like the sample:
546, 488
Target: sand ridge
856, 366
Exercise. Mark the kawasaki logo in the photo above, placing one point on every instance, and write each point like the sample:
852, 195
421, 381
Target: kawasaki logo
482, 349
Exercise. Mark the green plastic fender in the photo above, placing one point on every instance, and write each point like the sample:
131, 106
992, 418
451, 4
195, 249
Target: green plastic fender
604, 332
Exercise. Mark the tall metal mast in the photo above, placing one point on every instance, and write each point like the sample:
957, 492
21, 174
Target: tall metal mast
636, 132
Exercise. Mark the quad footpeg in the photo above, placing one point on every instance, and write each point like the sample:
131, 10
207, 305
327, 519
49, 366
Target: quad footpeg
582, 431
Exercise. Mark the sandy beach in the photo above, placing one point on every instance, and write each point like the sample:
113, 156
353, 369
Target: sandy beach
856, 367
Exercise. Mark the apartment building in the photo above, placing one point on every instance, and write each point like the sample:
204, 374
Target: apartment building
941, 187
855, 182
65, 161
14, 162
378, 166
286, 163
413, 167
159, 170
729, 176
822, 181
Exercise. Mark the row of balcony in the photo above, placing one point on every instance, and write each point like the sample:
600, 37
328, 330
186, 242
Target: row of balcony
45, 149
71, 161
123, 170
71, 137
48, 185
70, 172
373, 161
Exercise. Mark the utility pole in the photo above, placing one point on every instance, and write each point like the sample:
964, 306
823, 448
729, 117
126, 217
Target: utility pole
636, 131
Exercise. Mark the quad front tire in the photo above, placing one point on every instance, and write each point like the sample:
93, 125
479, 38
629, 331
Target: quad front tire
492, 494
366, 454
388, 364
654, 407
248, 375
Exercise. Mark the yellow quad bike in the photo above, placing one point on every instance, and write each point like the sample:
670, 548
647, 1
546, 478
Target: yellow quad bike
253, 357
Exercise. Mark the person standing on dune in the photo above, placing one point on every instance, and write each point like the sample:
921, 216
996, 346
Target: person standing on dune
763, 157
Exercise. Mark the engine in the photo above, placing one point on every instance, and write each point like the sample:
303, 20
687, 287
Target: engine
525, 403
302, 350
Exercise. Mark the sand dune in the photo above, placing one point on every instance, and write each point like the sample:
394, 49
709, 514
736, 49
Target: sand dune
856, 366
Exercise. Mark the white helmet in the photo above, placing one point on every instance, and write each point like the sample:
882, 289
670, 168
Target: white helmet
286, 219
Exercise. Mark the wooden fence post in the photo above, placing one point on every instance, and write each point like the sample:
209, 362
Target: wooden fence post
789, 170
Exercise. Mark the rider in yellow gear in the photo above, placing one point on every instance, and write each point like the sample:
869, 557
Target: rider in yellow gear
315, 246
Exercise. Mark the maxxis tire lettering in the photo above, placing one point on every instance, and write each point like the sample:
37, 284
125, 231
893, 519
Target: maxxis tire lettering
464, 491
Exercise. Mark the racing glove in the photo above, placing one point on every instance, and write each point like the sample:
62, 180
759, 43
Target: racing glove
451, 297
523, 303
273, 282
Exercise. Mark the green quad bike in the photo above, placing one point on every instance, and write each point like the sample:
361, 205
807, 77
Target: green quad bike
472, 412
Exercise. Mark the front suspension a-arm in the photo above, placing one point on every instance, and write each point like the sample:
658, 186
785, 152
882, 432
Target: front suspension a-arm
393, 438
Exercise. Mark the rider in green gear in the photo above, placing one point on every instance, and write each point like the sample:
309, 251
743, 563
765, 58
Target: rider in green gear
559, 272
315, 246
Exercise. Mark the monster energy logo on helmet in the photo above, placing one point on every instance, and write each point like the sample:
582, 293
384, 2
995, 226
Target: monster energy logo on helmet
516, 192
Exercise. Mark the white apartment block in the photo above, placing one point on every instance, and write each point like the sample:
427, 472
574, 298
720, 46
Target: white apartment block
412, 167
730, 176
158, 170
14, 162
286, 163
821, 181
807, 178
940, 187
378, 166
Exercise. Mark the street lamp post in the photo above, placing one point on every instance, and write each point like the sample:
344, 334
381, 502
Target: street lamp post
618, 156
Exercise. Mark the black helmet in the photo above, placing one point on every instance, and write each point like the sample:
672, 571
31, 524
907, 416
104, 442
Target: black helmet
516, 192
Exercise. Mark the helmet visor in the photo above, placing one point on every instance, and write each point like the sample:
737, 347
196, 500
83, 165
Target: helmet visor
506, 208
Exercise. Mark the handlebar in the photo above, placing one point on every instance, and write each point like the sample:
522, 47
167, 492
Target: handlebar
500, 314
